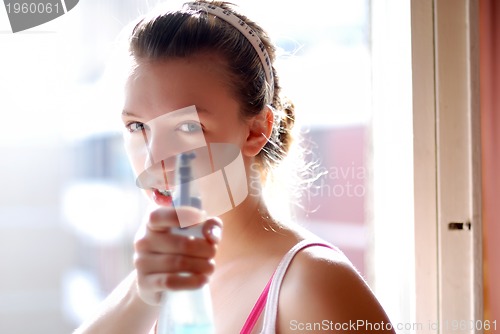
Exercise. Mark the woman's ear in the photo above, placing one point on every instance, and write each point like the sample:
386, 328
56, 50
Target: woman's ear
260, 129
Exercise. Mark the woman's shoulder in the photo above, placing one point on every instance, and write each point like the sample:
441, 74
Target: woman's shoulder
322, 287
321, 265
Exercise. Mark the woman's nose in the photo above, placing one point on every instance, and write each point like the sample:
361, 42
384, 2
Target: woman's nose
161, 147
158, 175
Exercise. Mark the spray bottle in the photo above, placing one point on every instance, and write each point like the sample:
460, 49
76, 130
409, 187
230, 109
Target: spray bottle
186, 311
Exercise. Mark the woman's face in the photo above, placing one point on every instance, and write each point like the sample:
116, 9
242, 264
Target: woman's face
172, 106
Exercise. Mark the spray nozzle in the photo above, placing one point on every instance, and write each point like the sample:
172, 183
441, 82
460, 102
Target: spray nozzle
184, 196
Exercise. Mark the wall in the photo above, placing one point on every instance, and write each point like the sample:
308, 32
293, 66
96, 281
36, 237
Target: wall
489, 12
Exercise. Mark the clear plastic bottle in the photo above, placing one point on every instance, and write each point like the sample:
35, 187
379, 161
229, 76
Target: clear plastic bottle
186, 311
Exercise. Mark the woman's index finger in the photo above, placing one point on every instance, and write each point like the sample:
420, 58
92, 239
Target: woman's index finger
162, 219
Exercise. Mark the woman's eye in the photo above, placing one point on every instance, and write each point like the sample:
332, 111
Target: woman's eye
190, 127
135, 126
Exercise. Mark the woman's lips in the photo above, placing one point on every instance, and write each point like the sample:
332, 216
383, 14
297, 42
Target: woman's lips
161, 197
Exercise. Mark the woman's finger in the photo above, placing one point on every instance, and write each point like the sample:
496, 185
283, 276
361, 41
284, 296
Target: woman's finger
212, 230
148, 264
165, 242
162, 219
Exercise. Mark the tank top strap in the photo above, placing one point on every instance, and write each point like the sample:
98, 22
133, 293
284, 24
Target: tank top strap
256, 310
271, 308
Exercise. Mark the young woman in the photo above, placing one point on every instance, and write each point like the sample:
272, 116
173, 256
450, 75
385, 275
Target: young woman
208, 57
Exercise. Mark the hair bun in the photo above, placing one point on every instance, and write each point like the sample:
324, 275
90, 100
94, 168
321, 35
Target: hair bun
286, 123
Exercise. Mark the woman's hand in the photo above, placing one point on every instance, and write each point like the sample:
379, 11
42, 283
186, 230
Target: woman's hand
163, 259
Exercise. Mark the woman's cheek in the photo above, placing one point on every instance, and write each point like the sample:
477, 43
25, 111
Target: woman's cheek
137, 155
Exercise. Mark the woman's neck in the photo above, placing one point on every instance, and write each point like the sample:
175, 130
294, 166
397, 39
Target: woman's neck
245, 227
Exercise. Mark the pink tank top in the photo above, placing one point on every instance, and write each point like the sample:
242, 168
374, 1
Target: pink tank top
268, 299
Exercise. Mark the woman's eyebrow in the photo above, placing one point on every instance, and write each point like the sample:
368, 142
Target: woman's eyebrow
187, 111
202, 110
128, 113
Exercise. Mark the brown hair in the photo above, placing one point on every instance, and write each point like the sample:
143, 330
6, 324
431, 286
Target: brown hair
189, 32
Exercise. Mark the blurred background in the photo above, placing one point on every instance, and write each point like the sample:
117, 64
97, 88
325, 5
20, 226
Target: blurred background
68, 204
69, 207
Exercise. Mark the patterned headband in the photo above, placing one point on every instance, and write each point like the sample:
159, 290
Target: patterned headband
245, 29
